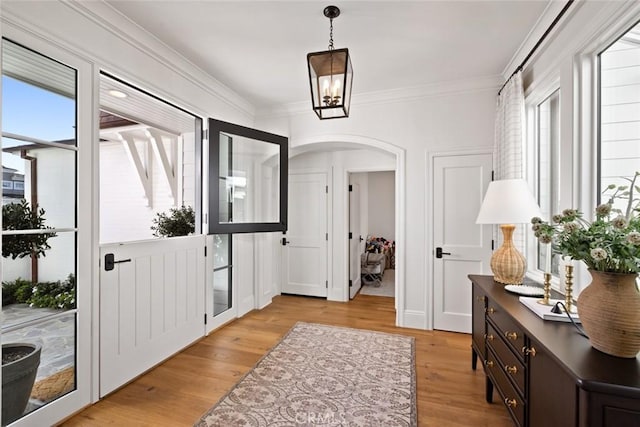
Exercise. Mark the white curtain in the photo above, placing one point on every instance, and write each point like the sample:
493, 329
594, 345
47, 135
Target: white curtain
509, 130
508, 145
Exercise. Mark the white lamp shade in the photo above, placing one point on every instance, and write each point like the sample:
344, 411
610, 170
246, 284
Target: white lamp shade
508, 201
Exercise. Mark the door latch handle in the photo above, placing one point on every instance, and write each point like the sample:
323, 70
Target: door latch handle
110, 262
285, 242
439, 253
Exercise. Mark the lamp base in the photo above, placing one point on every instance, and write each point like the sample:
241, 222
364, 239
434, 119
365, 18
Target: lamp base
507, 263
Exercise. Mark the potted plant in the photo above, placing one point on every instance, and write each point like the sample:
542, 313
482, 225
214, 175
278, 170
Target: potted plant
179, 222
20, 363
609, 307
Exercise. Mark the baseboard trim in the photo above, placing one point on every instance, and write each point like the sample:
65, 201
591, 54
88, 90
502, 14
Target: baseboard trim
414, 319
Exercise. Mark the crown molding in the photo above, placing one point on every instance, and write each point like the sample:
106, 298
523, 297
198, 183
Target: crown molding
124, 28
406, 94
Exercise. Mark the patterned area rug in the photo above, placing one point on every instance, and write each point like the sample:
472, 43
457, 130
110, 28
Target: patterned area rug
322, 375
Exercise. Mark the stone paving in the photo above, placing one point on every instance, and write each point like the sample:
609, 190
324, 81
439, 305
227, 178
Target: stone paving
56, 336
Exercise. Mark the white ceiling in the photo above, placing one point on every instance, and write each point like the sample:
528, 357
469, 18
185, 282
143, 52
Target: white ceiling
258, 48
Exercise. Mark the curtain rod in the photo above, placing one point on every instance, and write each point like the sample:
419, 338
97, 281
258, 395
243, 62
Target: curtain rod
537, 45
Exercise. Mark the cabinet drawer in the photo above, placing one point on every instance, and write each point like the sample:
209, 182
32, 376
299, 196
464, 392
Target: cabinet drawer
506, 327
508, 394
508, 361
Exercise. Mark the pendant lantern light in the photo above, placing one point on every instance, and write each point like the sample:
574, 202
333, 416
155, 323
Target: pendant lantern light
330, 76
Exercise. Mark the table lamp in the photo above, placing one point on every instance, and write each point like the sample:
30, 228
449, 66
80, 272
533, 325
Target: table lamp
508, 202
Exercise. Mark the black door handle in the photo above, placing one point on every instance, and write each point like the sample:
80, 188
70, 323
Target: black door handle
361, 239
285, 241
110, 263
439, 253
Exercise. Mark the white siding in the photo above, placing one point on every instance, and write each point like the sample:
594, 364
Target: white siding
620, 121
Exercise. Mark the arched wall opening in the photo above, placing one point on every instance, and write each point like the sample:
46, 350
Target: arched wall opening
344, 156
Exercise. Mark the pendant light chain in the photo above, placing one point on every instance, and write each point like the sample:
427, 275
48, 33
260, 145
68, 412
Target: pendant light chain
330, 33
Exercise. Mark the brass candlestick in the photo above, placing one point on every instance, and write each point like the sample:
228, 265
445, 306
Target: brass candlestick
568, 288
547, 290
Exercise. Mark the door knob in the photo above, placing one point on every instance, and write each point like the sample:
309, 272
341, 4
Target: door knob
439, 253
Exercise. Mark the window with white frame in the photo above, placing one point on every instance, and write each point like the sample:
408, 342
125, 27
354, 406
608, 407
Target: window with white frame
619, 130
544, 121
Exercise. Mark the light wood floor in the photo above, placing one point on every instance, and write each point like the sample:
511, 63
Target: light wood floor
180, 390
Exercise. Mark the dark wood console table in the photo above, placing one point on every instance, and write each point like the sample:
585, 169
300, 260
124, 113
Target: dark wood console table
545, 373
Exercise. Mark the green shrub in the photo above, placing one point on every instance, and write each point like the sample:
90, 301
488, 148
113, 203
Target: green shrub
179, 222
16, 292
59, 294
20, 216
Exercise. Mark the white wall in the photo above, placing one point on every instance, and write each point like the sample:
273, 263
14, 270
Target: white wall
439, 123
381, 205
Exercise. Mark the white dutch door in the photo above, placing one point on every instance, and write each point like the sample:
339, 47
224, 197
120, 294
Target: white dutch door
461, 247
151, 304
305, 252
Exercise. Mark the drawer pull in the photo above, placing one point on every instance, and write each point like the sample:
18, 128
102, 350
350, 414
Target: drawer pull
488, 363
529, 351
480, 299
490, 337
491, 310
511, 335
511, 403
511, 369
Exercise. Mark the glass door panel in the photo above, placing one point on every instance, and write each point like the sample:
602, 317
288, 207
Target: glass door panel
222, 273
39, 230
250, 167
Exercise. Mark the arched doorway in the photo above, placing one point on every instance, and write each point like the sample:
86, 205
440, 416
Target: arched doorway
336, 150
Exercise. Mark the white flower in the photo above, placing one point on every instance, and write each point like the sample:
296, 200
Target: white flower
544, 238
634, 238
570, 227
598, 254
604, 209
619, 222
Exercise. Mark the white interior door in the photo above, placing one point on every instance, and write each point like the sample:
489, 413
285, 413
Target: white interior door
305, 251
355, 240
151, 304
459, 184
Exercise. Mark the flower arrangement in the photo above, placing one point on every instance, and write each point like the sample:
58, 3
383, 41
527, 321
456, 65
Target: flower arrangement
611, 243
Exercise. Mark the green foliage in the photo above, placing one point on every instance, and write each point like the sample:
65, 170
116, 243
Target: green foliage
20, 216
179, 222
610, 243
16, 292
59, 294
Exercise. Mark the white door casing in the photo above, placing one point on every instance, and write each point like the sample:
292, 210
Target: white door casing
305, 254
459, 184
151, 305
355, 240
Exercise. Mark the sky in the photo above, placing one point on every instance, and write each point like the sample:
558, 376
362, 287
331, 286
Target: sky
31, 111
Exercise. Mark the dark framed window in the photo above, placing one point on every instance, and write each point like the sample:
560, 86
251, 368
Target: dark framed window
247, 179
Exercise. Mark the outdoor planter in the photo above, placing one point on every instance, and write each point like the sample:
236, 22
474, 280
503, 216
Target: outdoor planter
20, 363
